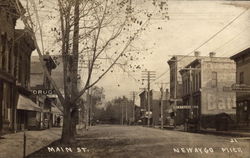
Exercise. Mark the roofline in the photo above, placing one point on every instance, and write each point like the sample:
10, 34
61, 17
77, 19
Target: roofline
242, 53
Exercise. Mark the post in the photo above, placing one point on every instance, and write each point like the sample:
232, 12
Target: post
175, 93
122, 112
162, 106
90, 107
191, 93
126, 112
87, 110
148, 98
133, 107
24, 144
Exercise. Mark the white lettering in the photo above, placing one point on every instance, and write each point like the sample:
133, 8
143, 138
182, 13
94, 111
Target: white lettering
176, 150
51, 149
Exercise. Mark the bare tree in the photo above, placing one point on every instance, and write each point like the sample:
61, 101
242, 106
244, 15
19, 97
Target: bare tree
91, 29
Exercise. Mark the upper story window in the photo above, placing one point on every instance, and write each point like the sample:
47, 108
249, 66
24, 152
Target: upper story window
3, 51
241, 79
214, 79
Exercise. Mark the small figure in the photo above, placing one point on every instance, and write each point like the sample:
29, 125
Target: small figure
58, 120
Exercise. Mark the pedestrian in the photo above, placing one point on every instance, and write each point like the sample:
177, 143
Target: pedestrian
58, 120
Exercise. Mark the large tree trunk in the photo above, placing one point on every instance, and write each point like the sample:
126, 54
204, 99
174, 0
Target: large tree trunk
67, 134
74, 71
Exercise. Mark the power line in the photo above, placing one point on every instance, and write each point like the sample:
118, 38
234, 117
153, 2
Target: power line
229, 41
223, 28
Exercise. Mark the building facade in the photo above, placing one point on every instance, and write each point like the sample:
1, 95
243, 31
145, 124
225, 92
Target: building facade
203, 89
242, 60
176, 63
155, 107
26, 111
43, 91
15, 49
7, 77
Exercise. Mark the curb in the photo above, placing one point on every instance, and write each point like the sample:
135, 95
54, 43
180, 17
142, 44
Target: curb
223, 133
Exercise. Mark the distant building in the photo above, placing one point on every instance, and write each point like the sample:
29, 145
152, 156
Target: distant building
203, 89
155, 107
242, 60
143, 106
43, 91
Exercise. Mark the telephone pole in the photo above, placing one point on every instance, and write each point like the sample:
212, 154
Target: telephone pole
126, 112
122, 113
149, 76
133, 107
162, 103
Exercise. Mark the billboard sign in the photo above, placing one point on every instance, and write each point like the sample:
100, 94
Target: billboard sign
214, 102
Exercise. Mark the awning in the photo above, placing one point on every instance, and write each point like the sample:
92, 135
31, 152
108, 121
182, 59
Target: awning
55, 110
25, 103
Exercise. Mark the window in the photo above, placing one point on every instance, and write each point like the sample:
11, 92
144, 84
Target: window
9, 56
214, 79
20, 69
241, 78
3, 51
193, 82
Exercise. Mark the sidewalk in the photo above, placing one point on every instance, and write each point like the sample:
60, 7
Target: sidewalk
233, 133
11, 146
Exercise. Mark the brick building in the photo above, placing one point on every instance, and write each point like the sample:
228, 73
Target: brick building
15, 49
242, 60
27, 112
203, 91
176, 63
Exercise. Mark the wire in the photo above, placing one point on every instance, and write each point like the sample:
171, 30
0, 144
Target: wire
223, 28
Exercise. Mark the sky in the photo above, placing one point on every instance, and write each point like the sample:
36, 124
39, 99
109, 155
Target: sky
191, 24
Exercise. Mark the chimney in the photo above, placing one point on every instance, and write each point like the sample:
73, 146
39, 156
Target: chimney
212, 54
197, 53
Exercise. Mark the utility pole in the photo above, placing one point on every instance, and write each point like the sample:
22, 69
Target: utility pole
122, 112
88, 107
126, 110
191, 93
175, 92
133, 106
162, 102
149, 76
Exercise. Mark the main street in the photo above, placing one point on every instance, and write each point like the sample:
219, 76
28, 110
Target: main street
113, 141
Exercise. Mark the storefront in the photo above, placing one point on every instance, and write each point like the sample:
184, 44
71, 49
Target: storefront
28, 114
243, 111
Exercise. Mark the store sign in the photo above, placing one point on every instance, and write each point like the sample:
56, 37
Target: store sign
186, 107
238, 88
43, 91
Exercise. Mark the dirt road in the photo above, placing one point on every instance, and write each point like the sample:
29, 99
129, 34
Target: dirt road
142, 142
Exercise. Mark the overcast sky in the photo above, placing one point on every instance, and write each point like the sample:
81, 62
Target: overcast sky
191, 24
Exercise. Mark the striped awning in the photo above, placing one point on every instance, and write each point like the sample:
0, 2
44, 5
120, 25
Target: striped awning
25, 103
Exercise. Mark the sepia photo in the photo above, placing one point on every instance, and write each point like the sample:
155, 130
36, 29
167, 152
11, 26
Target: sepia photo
124, 79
